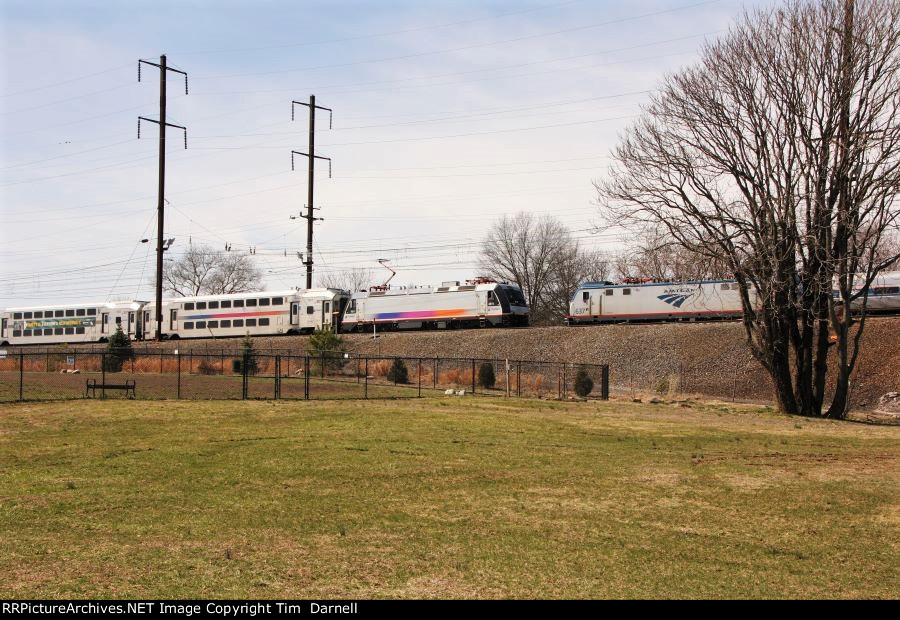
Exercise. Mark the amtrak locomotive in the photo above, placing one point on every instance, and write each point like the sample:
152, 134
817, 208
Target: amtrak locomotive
605, 302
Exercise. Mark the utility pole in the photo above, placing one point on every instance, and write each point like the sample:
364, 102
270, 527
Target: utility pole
162, 173
311, 155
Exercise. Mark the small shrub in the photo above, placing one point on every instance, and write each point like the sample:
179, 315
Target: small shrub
583, 383
398, 372
118, 351
328, 347
486, 377
248, 356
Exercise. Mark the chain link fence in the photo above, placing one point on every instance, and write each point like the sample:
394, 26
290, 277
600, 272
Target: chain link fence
44, 375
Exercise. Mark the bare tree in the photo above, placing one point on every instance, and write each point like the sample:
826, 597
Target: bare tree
574, 266
205, 271
525, 249
353, 280
656, 255
779, 153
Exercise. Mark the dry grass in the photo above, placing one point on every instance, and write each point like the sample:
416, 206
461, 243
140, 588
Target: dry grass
443, 498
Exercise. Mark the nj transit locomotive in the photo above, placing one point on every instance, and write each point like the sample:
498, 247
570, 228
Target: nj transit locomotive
477, 303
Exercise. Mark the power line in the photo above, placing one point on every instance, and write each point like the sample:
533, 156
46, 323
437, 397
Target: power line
383, 34
467, 47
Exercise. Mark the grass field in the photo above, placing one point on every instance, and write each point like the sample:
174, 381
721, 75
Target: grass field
443, 498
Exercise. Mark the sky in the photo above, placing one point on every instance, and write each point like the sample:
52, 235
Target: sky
446, 116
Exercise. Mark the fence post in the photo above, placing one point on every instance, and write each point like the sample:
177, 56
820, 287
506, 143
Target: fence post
306, 378
434, 377
506, 368
103, 375
160, 361
604, 382
47, 363
277, 374
366, 388
245, 377
565, 381
322, 364
420, 378
191, 362
21, 375
473, 375
357, 369
519, 378
178, 388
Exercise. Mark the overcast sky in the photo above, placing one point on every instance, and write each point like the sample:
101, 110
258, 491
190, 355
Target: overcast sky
446, 116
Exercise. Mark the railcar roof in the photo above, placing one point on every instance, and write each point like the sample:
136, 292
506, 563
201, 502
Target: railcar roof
598, 285
283, 293
95, 304
427, 290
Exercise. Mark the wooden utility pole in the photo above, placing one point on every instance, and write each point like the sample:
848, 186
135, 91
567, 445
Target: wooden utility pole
311, 155
160, 219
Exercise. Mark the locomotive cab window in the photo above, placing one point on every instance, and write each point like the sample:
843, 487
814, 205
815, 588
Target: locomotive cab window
585, 296
492, 299
351, 309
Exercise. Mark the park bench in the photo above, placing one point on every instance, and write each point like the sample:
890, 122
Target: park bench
92, 386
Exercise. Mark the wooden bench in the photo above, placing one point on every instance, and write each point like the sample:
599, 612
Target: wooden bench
92, 386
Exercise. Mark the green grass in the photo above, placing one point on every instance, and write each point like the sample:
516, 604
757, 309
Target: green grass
442, 498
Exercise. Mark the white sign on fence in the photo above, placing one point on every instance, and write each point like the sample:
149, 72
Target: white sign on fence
70, 360
2, 354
